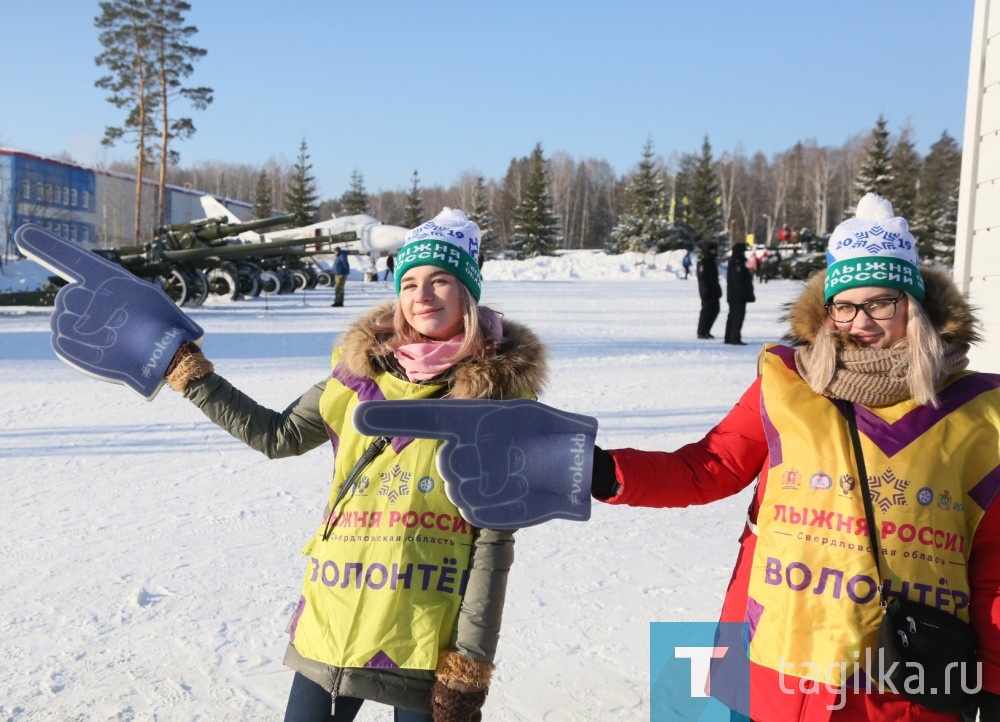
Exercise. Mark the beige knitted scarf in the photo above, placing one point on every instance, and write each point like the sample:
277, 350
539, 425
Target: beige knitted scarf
877, 377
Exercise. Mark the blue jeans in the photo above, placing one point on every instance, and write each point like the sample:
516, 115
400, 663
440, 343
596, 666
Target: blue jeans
309, 702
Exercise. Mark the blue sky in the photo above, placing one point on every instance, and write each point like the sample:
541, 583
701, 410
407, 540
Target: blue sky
447, 87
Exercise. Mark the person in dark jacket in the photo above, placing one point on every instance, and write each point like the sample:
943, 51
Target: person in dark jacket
739, 292
707, 270
341, 268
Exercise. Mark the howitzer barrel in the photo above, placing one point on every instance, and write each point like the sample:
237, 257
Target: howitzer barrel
236, 250
214, 229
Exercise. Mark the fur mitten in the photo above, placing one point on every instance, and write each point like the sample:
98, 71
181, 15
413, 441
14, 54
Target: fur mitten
460, 689
188, 364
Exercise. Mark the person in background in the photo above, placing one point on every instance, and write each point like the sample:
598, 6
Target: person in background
686, 263
739, 292
390, 266
381, 617
341, 268
879, 338
709, 288
785, 234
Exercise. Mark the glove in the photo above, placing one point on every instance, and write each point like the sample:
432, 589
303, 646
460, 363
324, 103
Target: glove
460, 689
188, 364
107, 322
505, 464
604, 482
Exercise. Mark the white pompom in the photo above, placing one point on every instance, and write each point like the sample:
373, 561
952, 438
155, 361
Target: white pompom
874, 207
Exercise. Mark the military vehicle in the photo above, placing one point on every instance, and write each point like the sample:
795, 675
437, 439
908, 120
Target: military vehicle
194, 259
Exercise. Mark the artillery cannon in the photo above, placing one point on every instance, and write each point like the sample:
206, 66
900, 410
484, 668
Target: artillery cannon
192, 260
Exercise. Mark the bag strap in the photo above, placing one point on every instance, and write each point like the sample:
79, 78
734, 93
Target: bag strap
373, 450
866, 497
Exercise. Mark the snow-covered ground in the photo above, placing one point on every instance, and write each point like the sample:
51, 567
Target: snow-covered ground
150, 562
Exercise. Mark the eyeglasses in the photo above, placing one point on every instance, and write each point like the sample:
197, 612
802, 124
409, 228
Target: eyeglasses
878, 309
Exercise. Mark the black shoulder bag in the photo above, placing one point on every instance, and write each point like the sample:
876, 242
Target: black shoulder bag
927, 654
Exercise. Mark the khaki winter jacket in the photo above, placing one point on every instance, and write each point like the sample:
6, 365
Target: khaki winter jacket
517, 368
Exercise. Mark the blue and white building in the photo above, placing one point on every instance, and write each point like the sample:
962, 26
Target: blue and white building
93, 207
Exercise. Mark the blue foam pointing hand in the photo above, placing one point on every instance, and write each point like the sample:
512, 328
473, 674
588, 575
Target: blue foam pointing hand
506, 464
107, 322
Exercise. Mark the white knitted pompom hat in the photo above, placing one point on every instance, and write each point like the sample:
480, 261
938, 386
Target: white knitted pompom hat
874, 248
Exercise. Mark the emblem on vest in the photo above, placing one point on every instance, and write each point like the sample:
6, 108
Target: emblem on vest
791, 479
820, 481
847, 484
888, 490
395, 483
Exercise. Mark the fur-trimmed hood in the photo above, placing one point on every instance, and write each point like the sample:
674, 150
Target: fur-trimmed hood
519, 366
948, 310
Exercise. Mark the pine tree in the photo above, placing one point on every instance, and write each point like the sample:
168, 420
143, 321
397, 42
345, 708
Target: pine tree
937, 203
128, 56
902, 191
875, 175
489, 238
263, 203
301, 196
643, 224
148, 55
173, 61
536, 226
702, 212
413, 211
355, 200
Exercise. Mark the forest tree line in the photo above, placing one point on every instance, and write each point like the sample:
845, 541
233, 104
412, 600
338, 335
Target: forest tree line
659, 204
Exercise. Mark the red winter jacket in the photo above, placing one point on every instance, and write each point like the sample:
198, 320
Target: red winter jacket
725, 462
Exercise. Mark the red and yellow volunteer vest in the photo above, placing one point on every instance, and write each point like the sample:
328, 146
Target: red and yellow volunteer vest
813, 598
384, 588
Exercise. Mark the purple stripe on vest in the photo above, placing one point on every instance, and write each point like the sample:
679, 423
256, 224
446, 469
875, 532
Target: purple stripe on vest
381, 660
399, 443
986, 490
367, 390
755, 610
363, 386
295, 618
771, 434
892, 438
786, 354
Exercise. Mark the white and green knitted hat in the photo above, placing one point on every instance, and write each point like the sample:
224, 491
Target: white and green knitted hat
874, 248
449, 241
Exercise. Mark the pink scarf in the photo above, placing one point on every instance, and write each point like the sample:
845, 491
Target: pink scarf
422, 361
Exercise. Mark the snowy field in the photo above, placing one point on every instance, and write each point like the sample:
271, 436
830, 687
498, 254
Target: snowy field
151, 562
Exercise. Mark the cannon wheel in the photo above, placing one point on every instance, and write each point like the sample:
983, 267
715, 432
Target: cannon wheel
176, 286
300, 280
198, 285
270, 283
249, 278
223, 281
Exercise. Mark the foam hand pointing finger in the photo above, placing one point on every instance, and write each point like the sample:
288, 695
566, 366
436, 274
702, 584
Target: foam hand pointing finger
506, 464
107, 322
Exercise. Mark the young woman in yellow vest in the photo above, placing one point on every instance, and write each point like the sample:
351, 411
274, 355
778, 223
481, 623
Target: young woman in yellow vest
402, 598
881, 334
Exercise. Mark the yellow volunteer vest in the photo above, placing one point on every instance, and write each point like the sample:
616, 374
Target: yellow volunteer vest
385, 586
813, 598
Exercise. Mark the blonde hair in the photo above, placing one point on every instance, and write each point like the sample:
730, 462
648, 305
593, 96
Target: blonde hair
477, 339
923, 348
